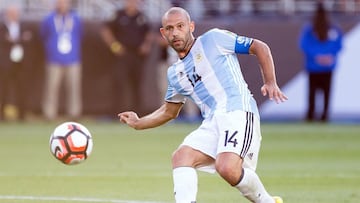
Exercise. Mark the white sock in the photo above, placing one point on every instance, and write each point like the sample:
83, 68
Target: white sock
185, 184
252, 188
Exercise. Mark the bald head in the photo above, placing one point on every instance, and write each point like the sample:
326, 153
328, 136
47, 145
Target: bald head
63, 6
177, 29
12, 12
175, 11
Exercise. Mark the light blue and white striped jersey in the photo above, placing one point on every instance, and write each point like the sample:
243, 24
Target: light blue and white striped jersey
210, 75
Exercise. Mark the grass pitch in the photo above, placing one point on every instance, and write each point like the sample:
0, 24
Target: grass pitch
313, 163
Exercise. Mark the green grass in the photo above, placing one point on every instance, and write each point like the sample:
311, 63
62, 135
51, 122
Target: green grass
301, 162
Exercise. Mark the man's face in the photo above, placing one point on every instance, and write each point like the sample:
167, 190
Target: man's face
12, 14
63, 6
177, 30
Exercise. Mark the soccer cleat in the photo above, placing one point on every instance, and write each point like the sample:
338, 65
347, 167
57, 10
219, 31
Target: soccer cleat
278, 199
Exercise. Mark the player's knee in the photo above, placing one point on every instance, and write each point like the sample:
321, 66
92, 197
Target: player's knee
225, 169
187, 156
182, 157
229, 169
229, 173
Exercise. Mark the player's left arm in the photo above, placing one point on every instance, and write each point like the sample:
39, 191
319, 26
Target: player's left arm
162, 115
264, 56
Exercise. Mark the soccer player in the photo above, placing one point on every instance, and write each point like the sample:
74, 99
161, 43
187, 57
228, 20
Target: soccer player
208, 72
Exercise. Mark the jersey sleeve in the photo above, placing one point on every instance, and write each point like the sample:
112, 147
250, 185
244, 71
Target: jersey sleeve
173, 96
231, 42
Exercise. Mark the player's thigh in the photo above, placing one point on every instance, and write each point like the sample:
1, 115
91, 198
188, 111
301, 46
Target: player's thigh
239, 133
199, 147
188, 156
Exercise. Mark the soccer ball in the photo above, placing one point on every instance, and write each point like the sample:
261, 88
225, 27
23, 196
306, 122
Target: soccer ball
71, 143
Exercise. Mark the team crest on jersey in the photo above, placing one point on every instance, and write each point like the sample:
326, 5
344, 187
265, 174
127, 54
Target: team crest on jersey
198, 57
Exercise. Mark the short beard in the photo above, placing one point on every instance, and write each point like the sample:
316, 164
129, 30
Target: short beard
187, 45
179, 49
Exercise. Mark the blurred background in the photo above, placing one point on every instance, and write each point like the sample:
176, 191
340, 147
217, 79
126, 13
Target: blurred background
277, 22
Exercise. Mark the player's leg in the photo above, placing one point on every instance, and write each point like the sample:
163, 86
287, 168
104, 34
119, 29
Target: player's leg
238, 150
185, 160
229, 166
197, 151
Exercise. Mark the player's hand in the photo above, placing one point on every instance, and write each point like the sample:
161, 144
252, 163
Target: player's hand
130, 118
273, 92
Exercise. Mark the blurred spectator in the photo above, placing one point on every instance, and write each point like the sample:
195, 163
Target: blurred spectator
13, 38
178, 3
61, 32
350, 5
129, 37
320, 42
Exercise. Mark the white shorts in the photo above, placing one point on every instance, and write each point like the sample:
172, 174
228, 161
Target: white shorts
237, 132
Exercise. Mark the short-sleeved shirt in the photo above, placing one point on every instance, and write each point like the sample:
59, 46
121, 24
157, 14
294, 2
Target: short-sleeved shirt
210, 75
130, 31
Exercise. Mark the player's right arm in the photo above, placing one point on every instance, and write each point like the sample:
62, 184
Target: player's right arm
162, 115
264, 56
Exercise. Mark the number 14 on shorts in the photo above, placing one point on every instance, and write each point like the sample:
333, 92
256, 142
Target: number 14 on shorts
230, 138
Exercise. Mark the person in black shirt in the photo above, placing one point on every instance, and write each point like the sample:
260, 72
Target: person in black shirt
129, 38
14, 37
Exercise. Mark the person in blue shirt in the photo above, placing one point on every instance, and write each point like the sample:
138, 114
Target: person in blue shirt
61, 32
320, 42
208, 73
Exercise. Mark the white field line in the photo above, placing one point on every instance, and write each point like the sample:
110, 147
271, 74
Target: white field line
74, 199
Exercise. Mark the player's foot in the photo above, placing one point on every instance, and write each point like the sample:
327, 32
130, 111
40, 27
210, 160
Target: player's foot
278, 199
